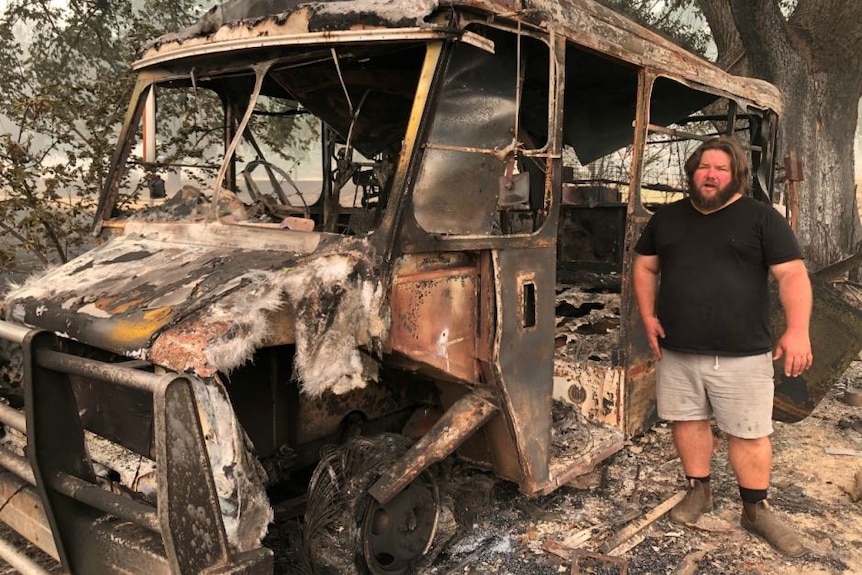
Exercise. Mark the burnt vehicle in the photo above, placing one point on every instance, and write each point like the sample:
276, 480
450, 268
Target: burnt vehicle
396, 232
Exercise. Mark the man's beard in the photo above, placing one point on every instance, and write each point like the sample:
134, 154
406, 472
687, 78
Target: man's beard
721, 197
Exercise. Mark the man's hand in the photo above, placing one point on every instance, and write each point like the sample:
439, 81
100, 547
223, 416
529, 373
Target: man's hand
654, 330
795, 347
645, 274
794, 291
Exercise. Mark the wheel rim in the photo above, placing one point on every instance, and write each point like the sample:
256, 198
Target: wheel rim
396, 535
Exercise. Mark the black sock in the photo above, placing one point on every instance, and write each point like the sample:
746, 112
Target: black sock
701, 479
752, 495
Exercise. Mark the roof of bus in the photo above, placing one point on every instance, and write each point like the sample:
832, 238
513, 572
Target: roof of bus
584, 22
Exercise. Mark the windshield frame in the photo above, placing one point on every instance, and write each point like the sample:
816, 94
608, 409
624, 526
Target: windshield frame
194, 64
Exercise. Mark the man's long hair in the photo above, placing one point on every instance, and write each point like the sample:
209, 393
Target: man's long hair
741, 180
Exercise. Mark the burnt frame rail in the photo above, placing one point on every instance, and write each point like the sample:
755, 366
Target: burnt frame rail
88, 529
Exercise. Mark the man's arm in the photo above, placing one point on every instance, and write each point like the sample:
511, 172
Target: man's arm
794, 291
645, 275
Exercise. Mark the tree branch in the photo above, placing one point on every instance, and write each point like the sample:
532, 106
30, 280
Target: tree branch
833, 29
765, 34
12, 232
731, 53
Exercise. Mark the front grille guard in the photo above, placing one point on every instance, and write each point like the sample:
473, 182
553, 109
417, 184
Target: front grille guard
52, 497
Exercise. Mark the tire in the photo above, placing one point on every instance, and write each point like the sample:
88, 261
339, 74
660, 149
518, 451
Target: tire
347, 532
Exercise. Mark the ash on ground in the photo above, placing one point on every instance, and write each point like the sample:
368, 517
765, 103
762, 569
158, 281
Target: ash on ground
502, 531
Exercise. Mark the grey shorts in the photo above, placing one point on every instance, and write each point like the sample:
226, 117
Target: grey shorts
737, 391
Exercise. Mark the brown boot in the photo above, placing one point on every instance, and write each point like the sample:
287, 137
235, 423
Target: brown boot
760, 519
697, 501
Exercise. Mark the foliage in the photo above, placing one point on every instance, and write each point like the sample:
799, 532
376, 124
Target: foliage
66, 83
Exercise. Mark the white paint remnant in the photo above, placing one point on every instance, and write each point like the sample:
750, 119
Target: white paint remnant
391, 10
239, 477
89, 309
336, 314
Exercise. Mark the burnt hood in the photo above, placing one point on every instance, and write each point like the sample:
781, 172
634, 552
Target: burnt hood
205, 307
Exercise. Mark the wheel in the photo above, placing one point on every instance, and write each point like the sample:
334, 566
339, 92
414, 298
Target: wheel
394, 536
346, 531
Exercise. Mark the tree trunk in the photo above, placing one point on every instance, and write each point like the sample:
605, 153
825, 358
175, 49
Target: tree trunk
812, 57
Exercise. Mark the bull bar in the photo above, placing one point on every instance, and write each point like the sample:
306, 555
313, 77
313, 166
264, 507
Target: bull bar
52, 498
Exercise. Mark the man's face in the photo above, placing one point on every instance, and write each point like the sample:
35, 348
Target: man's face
713, 181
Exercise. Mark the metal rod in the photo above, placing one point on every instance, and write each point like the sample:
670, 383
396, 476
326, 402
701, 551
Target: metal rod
13, 332
692, 136
99, 370
19, 561
458, 423
18, 465
106, 501
13, 418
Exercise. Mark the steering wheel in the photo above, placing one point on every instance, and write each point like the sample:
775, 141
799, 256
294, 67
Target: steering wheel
276, 177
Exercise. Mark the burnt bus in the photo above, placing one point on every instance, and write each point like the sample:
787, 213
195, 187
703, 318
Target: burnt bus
393, 233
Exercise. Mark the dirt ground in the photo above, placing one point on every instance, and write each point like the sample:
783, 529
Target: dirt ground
810, 487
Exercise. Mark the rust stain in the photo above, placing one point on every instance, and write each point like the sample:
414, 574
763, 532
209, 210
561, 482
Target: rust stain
183, 348
434, 320
638, 369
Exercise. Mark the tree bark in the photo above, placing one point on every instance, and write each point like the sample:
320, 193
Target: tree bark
813, 58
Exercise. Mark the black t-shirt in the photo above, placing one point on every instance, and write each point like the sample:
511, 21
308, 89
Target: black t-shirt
713, 293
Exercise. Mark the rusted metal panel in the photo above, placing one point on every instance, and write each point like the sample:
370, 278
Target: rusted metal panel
237, 20
434, 320
590, 24
598, 391
639, 394
640, 406
585, 22
836, 336
522, 356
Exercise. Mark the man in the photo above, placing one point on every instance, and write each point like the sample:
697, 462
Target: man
707, 323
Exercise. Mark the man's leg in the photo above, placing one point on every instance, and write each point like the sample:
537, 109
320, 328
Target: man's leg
682, 399
694, 444
751, 460
741, 391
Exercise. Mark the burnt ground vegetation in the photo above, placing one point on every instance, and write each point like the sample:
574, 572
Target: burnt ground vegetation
500, 530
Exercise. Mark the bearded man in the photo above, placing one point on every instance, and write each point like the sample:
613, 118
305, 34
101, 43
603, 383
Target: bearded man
707, 322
